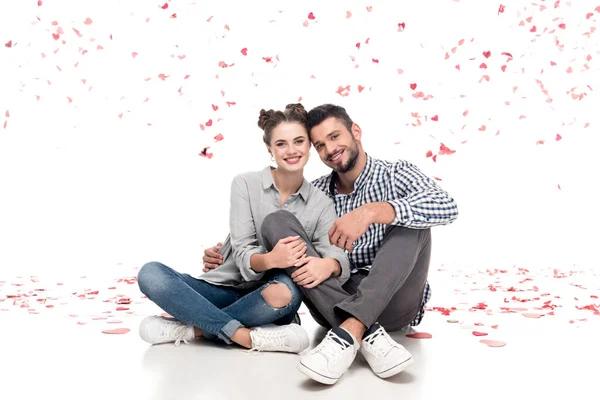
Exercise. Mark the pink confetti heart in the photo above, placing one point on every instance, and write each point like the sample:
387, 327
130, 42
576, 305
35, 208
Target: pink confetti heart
413, 86
245, 51
479, 333
88, 21
311, 15
493, 343
420, 335
118, 331
532, 315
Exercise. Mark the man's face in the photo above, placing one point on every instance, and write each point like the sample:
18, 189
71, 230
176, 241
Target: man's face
337, 147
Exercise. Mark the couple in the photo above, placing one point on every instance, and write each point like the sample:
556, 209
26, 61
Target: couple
354, 246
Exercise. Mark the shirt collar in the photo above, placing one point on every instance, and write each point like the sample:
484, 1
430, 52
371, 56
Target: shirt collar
360, 181
267, 182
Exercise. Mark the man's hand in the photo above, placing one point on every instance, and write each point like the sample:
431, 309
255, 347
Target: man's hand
349, 227
212, 259
287, 252
314, 271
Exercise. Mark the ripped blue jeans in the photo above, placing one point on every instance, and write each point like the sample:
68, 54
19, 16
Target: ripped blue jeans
218, 311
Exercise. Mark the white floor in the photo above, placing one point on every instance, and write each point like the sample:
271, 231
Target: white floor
50, 355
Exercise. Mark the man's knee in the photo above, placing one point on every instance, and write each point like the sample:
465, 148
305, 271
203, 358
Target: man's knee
276, 219
277, 295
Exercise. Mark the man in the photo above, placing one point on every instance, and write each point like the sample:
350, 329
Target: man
385, 211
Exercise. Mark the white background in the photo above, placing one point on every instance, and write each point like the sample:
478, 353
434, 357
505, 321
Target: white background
82, 189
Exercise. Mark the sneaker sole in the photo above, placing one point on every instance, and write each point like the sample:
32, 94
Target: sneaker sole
317, 376
395, 369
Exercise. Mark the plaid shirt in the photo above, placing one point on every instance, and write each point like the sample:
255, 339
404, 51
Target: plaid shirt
418, 201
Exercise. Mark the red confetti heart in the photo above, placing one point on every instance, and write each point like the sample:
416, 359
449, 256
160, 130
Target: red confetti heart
358, 45
165, 6
445, 150
376, 61
479, 333
434, 118
401, 26
311, 15
487, 54
39, 3
9, 44
205, 153
420, 335
500, 9
209, 122
429, 154
56, 36
562, 26
215, 107
493, 343
558, 137
245, 51
118, 331
360, 88
413, 86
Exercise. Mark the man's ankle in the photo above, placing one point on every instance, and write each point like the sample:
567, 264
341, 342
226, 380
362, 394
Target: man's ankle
355, 327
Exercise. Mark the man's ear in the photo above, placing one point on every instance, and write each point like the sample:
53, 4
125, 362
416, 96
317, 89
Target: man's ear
356, 131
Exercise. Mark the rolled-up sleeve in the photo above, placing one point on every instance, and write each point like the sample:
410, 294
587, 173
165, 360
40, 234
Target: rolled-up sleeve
244, 241
419, 202
321, 240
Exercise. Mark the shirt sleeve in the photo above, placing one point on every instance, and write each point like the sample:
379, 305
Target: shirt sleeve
418, 201
321, 240
244, 240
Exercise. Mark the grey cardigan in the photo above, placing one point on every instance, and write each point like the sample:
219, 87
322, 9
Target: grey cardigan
253, 197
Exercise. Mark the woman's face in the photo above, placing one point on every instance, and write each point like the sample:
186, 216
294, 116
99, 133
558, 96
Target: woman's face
290, 146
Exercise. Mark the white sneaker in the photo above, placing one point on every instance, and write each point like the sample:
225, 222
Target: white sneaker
385, 356
290, 338
327, 362
156, 330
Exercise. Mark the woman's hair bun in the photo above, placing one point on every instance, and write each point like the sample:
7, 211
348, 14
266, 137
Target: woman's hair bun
296, 107
264, 117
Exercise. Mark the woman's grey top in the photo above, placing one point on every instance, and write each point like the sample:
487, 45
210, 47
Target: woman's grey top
253, 197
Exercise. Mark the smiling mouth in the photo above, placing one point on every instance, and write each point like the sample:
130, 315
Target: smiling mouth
293, 160
336, 156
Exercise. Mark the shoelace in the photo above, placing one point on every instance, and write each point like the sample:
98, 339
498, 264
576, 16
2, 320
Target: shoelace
262, 339
331, 346
179, 333
375, 336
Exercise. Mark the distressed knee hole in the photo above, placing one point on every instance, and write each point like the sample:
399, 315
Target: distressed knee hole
277, 295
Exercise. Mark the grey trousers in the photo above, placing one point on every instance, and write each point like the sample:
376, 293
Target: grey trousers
390, 294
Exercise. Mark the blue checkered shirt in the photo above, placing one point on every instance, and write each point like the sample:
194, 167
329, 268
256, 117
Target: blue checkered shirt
418, 201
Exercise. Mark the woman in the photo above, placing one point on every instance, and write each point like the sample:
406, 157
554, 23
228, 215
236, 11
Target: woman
251, 288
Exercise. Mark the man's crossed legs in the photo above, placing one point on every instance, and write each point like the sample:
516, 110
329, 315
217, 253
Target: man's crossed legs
389, 296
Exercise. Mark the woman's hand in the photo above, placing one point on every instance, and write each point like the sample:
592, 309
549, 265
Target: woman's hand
288, 252
314, 271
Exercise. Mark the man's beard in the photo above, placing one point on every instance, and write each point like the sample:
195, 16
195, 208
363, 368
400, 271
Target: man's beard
352, 158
